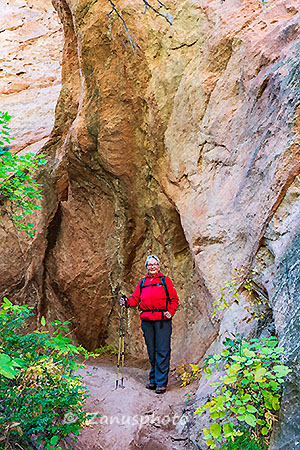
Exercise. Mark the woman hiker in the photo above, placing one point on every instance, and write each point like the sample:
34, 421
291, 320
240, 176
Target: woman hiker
158, 301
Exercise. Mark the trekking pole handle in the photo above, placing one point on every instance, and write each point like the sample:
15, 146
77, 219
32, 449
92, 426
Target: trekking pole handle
123, 300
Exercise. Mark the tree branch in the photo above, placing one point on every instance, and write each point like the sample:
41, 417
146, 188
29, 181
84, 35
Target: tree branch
167, 16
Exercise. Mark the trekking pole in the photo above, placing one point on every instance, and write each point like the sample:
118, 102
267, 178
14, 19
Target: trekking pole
121, 347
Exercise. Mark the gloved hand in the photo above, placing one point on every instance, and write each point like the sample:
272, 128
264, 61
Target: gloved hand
123, 300
167, 315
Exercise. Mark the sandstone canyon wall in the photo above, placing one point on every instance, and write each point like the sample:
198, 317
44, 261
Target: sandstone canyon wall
188, 149
31, 43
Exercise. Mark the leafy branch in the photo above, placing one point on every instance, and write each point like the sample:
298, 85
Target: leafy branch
42, 396
18, 186
230, 293
248, 390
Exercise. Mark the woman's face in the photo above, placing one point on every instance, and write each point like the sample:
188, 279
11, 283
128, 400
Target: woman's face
152, 267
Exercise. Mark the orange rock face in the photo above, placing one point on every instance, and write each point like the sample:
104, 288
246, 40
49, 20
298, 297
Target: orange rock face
184, 149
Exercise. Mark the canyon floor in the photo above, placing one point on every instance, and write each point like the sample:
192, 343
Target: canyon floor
134, 417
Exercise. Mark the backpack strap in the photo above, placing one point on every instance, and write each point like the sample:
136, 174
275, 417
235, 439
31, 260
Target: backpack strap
142, 282
163, 282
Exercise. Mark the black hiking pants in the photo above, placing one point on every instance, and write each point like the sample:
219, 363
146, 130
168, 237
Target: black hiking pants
157, 336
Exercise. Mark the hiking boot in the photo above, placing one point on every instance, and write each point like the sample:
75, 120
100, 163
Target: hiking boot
160, 389
151, 386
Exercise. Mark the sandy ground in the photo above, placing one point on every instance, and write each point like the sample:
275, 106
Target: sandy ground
133, 417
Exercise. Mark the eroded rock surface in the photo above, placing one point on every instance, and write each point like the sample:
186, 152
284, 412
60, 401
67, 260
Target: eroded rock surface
31, 40
285, 302
201, 122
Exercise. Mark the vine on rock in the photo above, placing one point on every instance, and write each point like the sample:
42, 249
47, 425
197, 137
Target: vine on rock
248, 391
230, 293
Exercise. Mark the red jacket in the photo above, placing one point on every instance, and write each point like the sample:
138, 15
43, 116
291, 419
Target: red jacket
154, 297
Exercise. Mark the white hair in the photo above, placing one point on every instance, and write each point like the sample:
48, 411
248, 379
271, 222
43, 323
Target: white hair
150, 257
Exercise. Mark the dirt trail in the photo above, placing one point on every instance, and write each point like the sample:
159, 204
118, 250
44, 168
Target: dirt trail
133, 417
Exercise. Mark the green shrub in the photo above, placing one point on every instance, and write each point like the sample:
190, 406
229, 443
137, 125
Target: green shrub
248, 390
40, 394
104, 349
18, 188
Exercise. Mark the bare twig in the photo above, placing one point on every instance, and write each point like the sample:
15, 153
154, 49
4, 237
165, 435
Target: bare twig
129, 36
167, 16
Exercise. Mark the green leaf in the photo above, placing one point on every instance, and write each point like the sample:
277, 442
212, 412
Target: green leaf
7, 372
241, 418
281, 370
260, 421
4, 359
250, 419
238, 358
268, 401
19, 362
274, 385
275, 403
228, 428
271, 342
215, 430
251, 408
208, 436
266, 350
264, 431
54, 440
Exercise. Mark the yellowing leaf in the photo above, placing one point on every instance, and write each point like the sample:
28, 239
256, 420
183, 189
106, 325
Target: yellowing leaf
259, 374
215, 430
228, 428
234, 369
248, 353
229, 380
